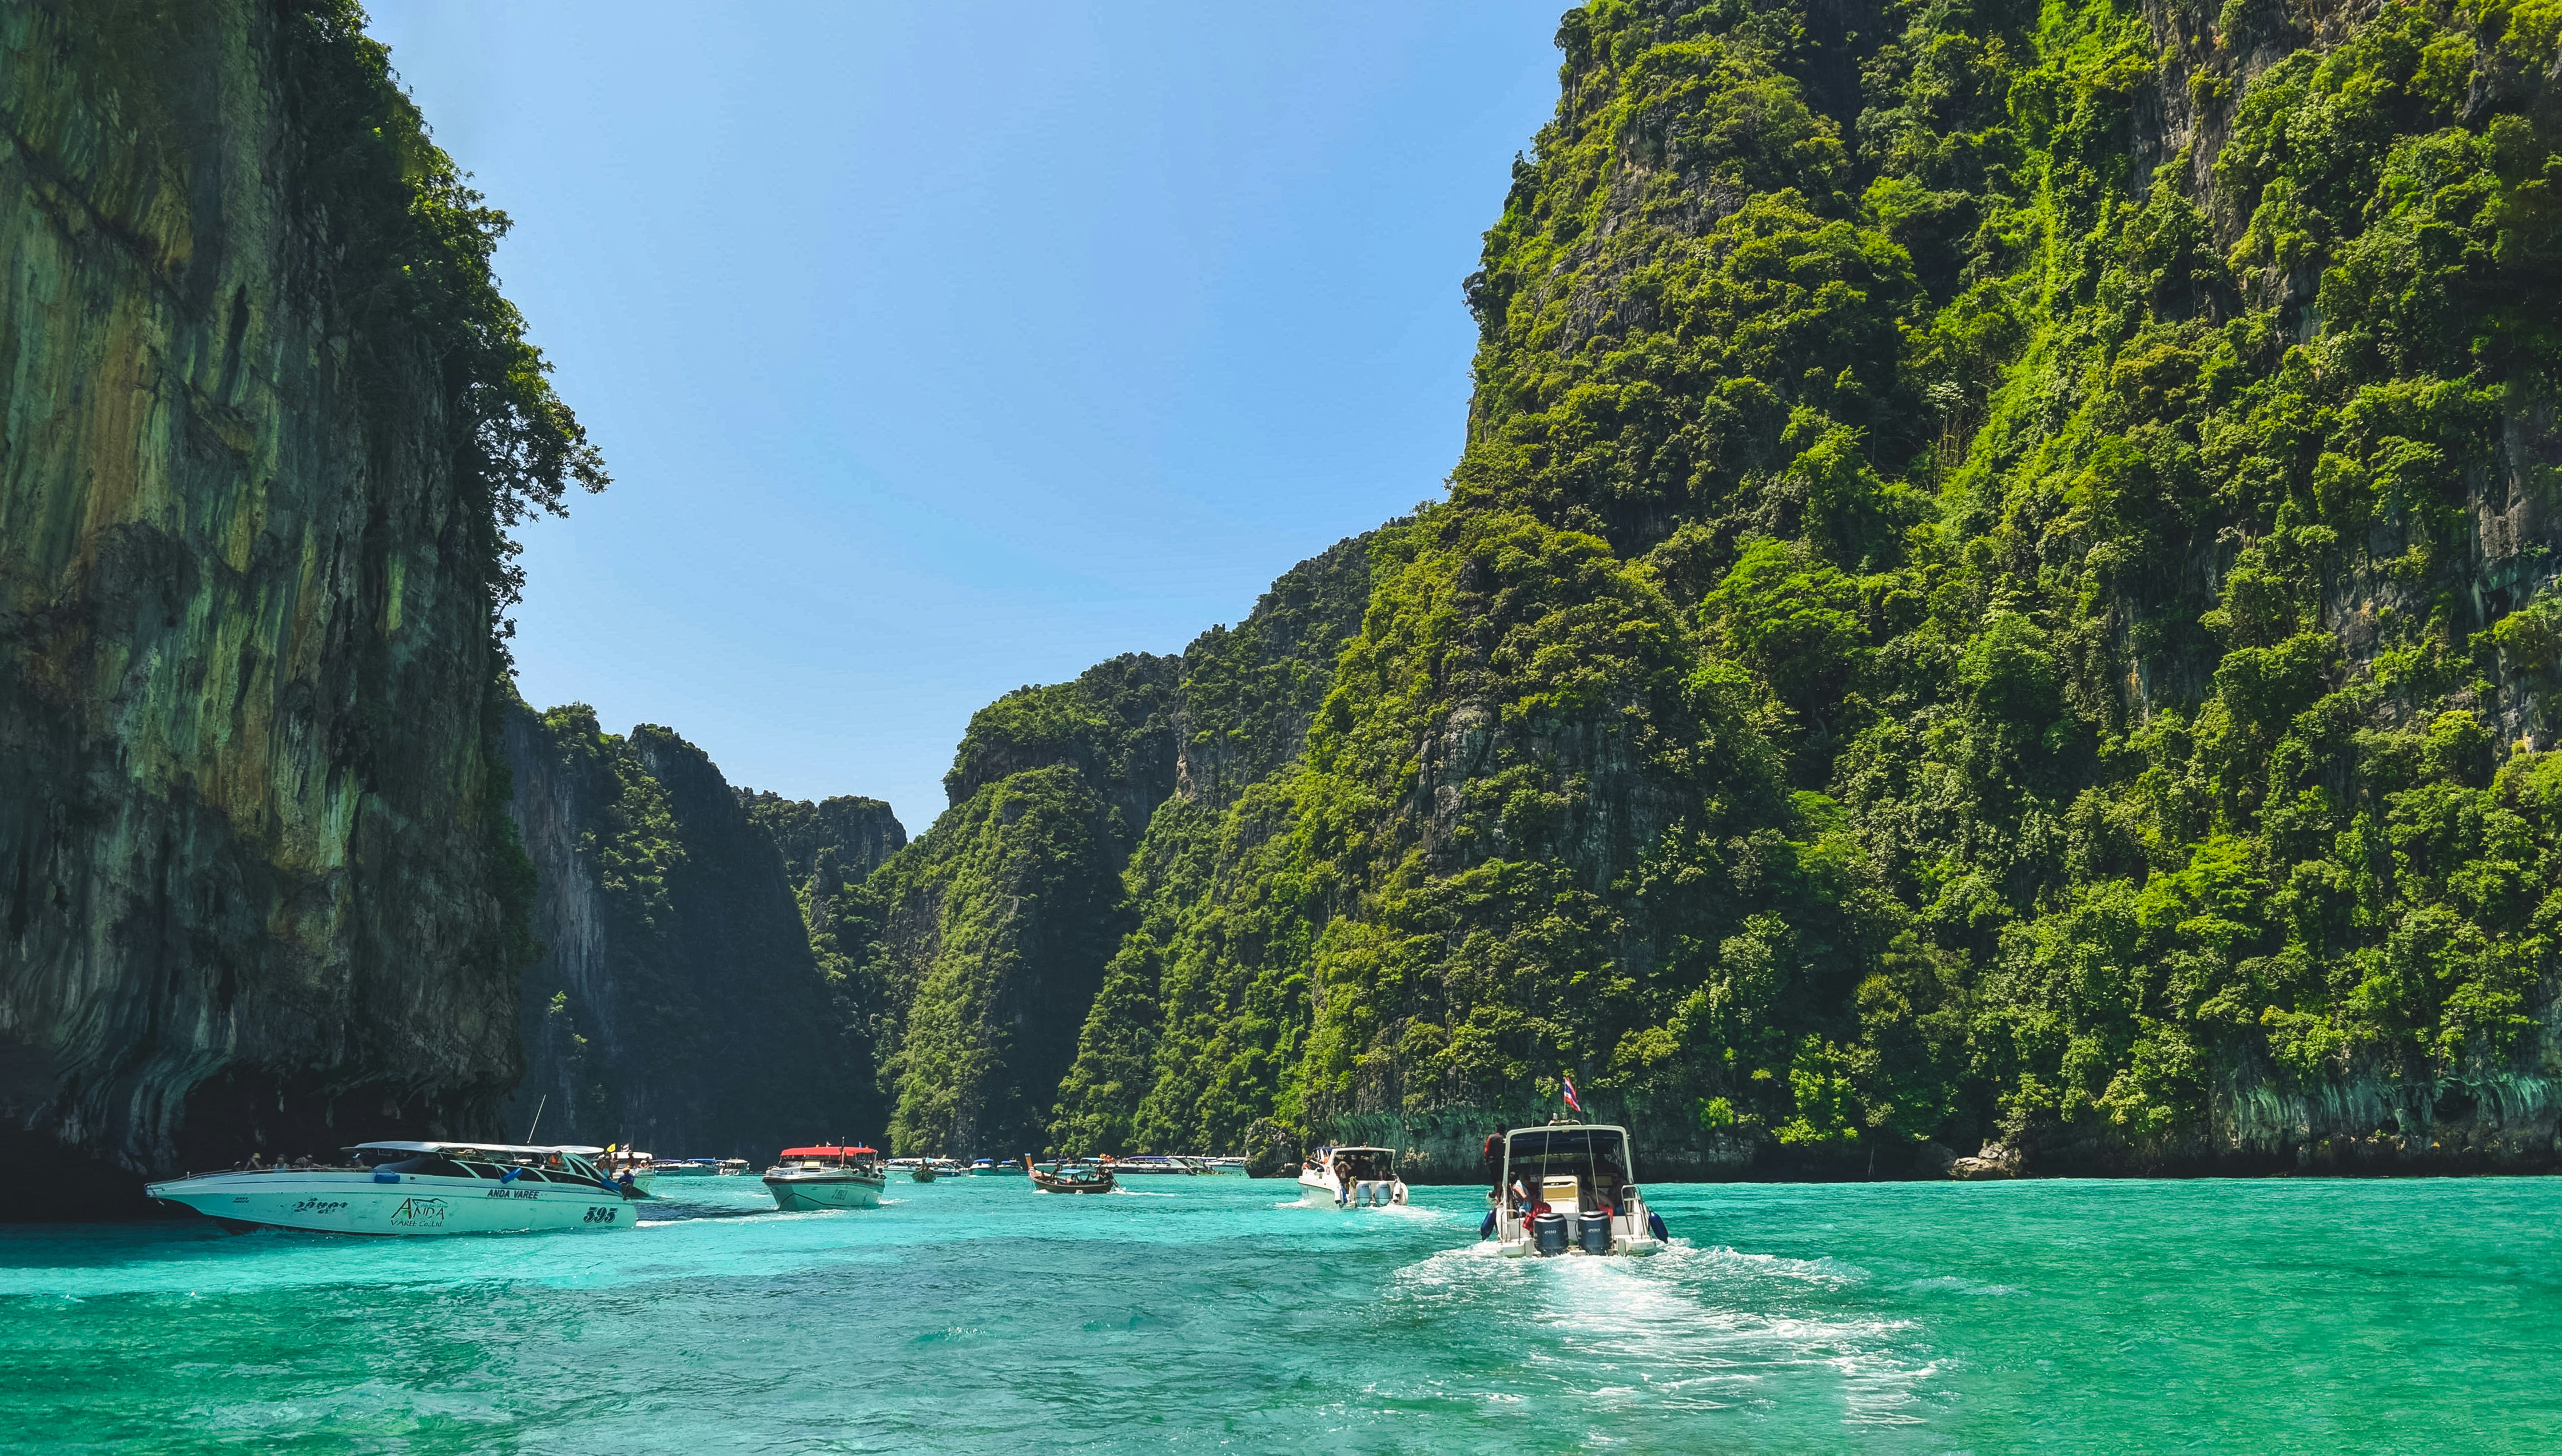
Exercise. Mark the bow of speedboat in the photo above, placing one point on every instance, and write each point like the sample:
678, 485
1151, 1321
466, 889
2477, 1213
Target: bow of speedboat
814, 1178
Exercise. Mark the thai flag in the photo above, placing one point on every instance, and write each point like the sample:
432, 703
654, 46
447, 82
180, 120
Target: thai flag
1570, 1094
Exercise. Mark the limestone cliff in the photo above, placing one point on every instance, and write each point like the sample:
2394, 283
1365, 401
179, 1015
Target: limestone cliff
677, 1004
2000, 589
989, 938
855, 833
263, 418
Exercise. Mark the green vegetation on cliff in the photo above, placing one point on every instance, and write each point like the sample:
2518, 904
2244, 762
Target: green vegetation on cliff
419, 241
2001, 585
269, 421
989, 938
682, 997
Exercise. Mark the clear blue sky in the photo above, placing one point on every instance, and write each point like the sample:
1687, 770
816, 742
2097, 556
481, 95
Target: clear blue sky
936, 350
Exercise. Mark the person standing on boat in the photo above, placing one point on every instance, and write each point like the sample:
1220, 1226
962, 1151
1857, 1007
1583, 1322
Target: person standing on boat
1494, 1155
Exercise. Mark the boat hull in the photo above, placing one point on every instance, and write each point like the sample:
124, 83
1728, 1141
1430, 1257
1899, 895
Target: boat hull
1043, 1183
818, 1194
1322, 1191
418, 1205
1630, 1236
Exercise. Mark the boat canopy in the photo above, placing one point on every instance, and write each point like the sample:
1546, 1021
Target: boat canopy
856, 1151
453, 1145
1594, 1154
1565, 1142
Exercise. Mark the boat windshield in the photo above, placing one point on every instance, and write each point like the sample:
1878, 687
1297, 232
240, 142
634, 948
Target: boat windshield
429, 1165
1595, 1158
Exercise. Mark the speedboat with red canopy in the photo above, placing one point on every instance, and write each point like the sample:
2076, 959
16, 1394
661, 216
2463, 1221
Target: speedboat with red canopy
1570, 1188
811, 1180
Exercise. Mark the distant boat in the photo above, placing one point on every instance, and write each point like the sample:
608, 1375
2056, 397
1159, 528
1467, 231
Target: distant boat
1153, 1163
808, 1179
689, 1168
991, 1168
733, 1166
1570, 1188
1233, 1165
1070, 1177
1351, 1177
927, 1170
411, 1189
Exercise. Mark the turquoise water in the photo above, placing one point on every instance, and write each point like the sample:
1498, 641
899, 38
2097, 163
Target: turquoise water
974, 1315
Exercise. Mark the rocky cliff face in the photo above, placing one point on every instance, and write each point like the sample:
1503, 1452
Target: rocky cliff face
990, 937
2000, 591
259, 894
854, 834
677, 1004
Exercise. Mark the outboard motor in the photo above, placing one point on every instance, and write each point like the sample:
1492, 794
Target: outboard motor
1592, 1230
1547, 1233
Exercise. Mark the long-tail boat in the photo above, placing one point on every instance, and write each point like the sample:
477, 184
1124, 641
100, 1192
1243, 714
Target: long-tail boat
1070, 1178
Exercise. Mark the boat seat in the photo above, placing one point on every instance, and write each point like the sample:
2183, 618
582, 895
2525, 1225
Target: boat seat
1559, 1195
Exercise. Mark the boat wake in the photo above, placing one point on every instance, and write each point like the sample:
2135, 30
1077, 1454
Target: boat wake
1690, 1328
1418, 1214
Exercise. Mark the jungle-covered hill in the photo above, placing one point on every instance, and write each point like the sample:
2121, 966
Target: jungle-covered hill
2000, 588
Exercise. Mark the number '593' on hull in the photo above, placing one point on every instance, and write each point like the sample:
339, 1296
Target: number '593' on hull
413, 1188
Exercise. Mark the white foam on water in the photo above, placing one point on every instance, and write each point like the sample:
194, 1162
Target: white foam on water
1700, 1328
1713, 1260
1951, 1284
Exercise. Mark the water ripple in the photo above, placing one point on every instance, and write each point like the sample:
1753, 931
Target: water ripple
971, 1316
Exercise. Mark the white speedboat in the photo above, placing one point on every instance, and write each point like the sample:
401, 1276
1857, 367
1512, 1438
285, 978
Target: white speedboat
808, 1179
733, 1166
1571, 1188
405, 1188
1151, 1163
1351, 1177
686, 1168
